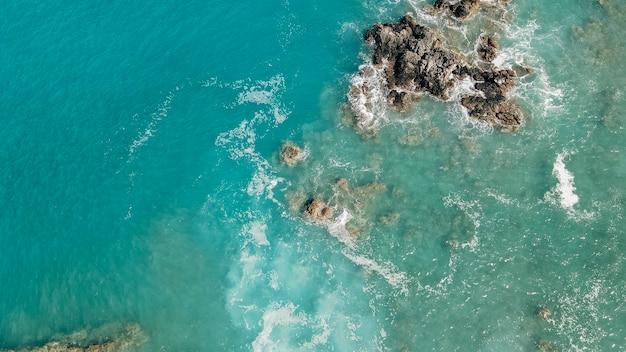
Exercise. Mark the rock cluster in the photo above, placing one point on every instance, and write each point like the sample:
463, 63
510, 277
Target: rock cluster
413, 61
317, 210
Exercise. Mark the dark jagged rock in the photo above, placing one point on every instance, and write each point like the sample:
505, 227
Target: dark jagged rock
413, 57
464, 8
488, 48
504, 115
461, 9
412, 60
401, 100
441, 5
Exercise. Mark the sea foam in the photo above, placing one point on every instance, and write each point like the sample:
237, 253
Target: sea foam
565, 188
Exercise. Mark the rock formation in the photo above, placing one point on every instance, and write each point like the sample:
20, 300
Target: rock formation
317, 210
291, 154
461, 9
413, 61
488, 48
126, 340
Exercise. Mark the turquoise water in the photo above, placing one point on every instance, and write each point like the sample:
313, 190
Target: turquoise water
140, 181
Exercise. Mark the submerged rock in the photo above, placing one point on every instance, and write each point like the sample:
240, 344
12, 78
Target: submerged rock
401, 100
412, 60
103, 339
291, 154
544, 313
342, 184
545, 346
317, 210
390, 218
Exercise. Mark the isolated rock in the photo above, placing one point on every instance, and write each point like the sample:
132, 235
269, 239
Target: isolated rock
291, 154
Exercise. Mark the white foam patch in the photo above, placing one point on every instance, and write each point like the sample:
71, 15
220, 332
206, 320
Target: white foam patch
244, 276
337, 228
276, 315
543, 97
367, 96
263, 182
277, 329
240, 142
394, 277
256, 230
563, 194
144, 136
565, 188
266, 93
463, 88
521, 47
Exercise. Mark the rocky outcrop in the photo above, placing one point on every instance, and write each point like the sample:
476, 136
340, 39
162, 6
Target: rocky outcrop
317, 210
412, 57
488, 48
413, 61
103, 339
291, 154
544, 313
461, 9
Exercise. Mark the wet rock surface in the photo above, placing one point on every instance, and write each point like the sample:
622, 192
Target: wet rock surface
291, 154
461, 9
488, 48
317, 210
413, 61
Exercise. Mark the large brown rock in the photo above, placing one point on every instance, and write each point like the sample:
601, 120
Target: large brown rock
317, 210
291, 154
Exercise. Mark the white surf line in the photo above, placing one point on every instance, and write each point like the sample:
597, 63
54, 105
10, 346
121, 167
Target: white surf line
397, 279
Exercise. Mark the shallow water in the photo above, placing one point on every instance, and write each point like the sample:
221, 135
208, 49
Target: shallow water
141, 181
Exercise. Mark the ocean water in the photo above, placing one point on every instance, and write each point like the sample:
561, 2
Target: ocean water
140, 181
